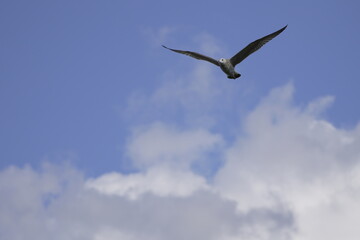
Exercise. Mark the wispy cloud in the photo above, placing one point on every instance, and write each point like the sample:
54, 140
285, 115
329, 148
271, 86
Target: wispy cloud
160, 144
160, 181
158, 36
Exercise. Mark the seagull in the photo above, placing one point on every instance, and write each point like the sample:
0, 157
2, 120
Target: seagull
227, 65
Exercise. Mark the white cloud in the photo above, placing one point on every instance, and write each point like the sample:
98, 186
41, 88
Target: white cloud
77, 212
160, 144
290, 155
108, 233
159, 181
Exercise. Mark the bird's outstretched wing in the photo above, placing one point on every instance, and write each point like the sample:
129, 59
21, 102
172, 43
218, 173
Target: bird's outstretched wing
254, 46
195, 55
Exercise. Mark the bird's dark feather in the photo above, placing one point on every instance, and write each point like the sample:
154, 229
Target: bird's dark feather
195, 55
253, 47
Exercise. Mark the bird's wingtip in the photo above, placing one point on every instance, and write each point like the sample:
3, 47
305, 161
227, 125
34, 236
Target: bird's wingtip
282, 29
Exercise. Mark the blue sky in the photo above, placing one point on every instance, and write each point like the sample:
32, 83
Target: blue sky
87, 83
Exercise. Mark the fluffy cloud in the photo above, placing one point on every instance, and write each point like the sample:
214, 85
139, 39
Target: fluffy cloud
67, 209
291, 155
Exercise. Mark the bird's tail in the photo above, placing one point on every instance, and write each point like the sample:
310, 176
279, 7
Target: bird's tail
235, 76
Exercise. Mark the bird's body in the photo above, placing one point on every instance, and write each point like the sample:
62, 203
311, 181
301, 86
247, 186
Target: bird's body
228, 65
228, 68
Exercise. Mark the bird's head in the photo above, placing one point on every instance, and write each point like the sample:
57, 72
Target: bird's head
222, 60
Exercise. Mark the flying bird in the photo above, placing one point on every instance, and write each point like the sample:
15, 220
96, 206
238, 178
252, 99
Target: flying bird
227, 65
